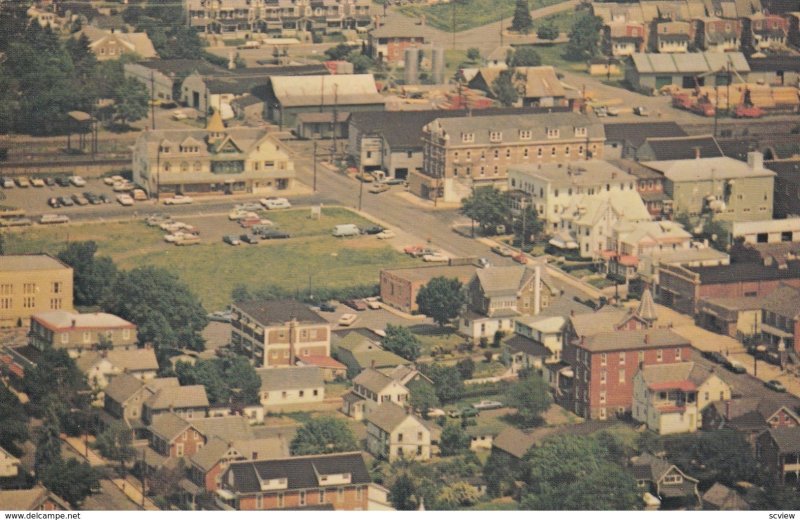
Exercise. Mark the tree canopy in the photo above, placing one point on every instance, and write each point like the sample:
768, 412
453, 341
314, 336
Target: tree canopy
504, 89
522, 21
167, 313
223, 378
93, 276
454, 439
323, 435
584, 36
487, 207
525, 56
402, 342
725, 454
13, 426
531, 397
447, 381
547, 31
423, 397
442, 299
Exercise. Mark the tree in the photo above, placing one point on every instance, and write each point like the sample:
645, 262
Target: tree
488, 207
504, 90
717, 450
531, 397
338, 52
718, 233
498, 473
71, 480
323, 435
114, 443
361, 62
55, 384
547, 31
473, 54
13, 426
442, 299
402, 494
454, 439
423, 397
584, 37
48, 441
130, 101
528, 225
466, 367
245, 380
92, 276
447, 381
163, 307
458, 494
522, 21
402, 342
525, 56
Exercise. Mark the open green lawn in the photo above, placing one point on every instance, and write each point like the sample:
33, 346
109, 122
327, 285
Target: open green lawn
484, 369
432, 337
213, 269
562, 20
554, 55
469, 13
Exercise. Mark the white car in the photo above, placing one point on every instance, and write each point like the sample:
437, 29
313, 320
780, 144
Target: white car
248, 206
373, 303
172, 237
174, 226
237, 214
8, 183
179, 115
123, 186
178, 199
385, 234
108, 181
435, 257
37, 182
275, 203
53, 219
125, 200
345, 320
77, 180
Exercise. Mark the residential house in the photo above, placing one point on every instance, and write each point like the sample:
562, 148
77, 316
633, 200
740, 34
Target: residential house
331, 369
9, 464
750, 416
465, 152
125, 396
371, 389
731, 190
248, 108
523, 353
216, 160
112, 45
514, 444
44, 17
37, 498
720, 497
764, 31
338, 480
394, 433
624, 38
674, 488
291, 386
407, 376
682, 288
717, 34
699, 254
278, 333
678, 148
499, 57
631, 241
496, 295
735, 317
399, 287
778, 450
780, 319
210, 461
536, 86
163, 78
287, 96
650, 72
670, 398
30, 284
358, 352
391, 37
482, 436
229, 428
623, 140
672, 37
101, 367
171, 436
185, 401
75, 332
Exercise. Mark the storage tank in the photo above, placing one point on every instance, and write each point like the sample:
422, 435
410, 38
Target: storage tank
411, 74
437, 66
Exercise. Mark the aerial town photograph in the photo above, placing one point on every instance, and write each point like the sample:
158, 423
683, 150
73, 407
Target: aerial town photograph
399, 255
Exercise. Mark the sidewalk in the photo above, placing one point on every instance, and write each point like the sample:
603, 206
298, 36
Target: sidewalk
134, 493
77, 444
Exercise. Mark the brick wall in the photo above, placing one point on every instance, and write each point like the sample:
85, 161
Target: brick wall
348, 499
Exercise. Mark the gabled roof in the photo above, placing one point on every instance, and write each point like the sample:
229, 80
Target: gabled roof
786, 439
517, 343
603, 320
218, 449
357, 342
632, 340
686, 375
135, 360
703, 169
230, 428
724, 498
502, 280
347, 89
652, 468
636, 133
783, 301
696, 62
168, 426
278, 312
399, 27
300, 472
210, 454
379, 358
514, 442
29, 499
389, 416
373, 380
321, 362
191, 396
123, 387
676, 148
290, 378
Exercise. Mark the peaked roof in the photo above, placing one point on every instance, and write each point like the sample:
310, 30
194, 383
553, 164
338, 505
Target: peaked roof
686, 147
786, 439
652, 468
215, 123
604, 320
647, 307
230, 428
29, 499
133, 359
514, 442
344, 89
389, 416
290, 378
724, 498
168, 426
503, 280
675, 375
122, 387
373, 380
784, 301
380, 358
191, 396
633, 340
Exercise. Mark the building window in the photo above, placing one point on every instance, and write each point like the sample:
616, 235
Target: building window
57, 287
6, 289
621, 358
302, 498
641, 356
621, 375
28, 288
280, 499
603, 358
580, 131
65, 337
321, 496
677, 354
603, 397
659, 355
495, 137
539, 153
553, 152
55, 303
553, 133
468, 137
525, 134
126, 333
602, 377
340, 491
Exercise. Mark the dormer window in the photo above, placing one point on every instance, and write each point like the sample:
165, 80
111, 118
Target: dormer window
553, 133
580, 131
468, 137
525, 135
495, 137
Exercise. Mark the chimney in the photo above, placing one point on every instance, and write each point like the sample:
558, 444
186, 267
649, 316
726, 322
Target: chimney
583, 340
696, 152
255, 455
755, 160
572, 313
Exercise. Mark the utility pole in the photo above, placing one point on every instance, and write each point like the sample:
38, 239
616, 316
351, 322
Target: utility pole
335, 117
522, 240
144, 471
501, 30
315, 165
360, 193
152, 103
454, 23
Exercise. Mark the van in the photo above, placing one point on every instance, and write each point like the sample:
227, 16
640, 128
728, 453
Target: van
139, 194
346, 230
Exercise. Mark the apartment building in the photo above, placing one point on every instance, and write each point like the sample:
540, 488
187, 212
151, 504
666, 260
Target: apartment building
76, 331
31, 284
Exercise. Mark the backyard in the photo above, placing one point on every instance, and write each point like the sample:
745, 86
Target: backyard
312, 257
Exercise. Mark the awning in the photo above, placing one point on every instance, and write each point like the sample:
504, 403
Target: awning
563, 240
567, 372
775, 331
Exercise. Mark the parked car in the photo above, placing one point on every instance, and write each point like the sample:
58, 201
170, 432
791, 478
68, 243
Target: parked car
62, 181
424, 251
231, 239
237, 214
92, 198
327, 307
36, 182
346, 230
105, 199
520, 258
393, 182
53, 202
487, 405
378, 188
467, 411
49, 181
8, 183
502, 251
178, 199
373, 303
385, 234
248, 206
372, 230
125, 200
139, 194
77, 180
601, 111
613, 111
275, 203
251, 221
221, 316
345, 320
187, 240
66, 201
79, 199
641, 111
735, 367
108, 181
412, 250
435, 257
249, 239
123, 186
270, 234
23, 182
775, 386
53, 219
716, 357
359, 305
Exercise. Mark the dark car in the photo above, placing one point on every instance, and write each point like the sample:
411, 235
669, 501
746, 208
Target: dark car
249, 239
372, 230
269, 234
62, 181
775, 386
92, 198
735, 367
49, 181
66, 201
716, 357
53, 202
327, 307
79, 199
359, 305
105, 199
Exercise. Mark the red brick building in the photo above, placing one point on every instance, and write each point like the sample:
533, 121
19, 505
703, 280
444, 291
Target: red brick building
399, 287
389, 41
682, 288
340, 480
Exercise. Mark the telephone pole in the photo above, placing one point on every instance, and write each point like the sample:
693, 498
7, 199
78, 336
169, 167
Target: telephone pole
315, 165
152, 101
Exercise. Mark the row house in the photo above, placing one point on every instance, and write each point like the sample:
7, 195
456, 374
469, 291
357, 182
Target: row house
125, 396
763, 31
278, 333
372, 388
465, 152
717, 35
171, 436
101, 367
211, 460
184, 401
780, 318
624, 38
339, 481
672, 37
665, 481
394, 433
750, 417
778, 451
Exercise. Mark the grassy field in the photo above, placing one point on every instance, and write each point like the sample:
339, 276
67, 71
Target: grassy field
562, 20
554, 55
212, 270
469, 14
432, 337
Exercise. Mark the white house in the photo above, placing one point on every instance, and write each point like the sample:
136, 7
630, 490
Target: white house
290, 386
372, 388
393, 433
101, 366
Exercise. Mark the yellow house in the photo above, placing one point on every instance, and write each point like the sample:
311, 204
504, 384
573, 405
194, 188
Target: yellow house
31, 284
670, 398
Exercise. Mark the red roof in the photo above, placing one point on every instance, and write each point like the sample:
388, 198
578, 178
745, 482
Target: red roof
685, 386
322, 362
628, 260
608, 254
